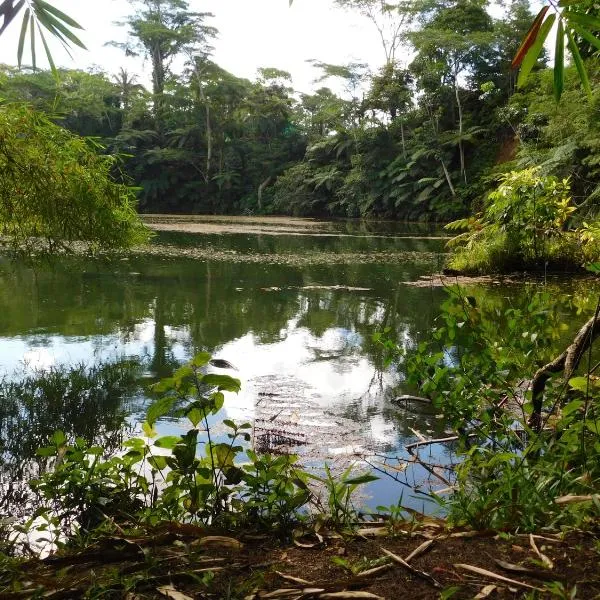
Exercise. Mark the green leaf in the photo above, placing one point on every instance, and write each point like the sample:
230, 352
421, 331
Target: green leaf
195, 416
201, 359
367, 478
59, 438
57, 28
158, 462
58, 13
47, 451
579, 383
148, 430
168, 441
584, 19
159, 409
579, 64
24, 27
559, 62
32, 32
225, 383
48, 53
534, 51
587, 36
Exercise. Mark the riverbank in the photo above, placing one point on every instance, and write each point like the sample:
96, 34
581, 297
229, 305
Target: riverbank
417, 560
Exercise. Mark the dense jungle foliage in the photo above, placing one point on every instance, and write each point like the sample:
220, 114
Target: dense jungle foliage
423, 139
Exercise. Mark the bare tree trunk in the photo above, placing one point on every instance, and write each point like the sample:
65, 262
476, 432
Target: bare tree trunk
461, 149
402, 136
209, 137
447, 175
261, 189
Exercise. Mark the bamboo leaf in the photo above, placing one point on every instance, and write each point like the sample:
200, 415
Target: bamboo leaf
22, 37
534, 51
587, 36
54, 25
559, 62
585, 81
584, 19
530, 38
60, 14
32, 30
48, 53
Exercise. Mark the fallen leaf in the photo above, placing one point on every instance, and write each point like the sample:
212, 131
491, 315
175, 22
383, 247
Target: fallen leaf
294, 579
170, 592
485, 592
493, 575
545, 560
349, 596
218, 541
420, 550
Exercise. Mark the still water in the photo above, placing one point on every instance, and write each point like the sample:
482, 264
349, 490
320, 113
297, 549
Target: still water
292, 307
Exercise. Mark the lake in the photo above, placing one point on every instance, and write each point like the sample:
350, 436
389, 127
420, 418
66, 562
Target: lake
291, 304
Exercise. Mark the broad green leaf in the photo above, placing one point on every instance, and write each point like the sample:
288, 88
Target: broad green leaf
24, 27
59, 438
158, 462
534, 51
222, 455
45, 452
579, 64
168, 441
159, 409
148, 430
195, 416
223, 382
201, 359
559, 62
579, 383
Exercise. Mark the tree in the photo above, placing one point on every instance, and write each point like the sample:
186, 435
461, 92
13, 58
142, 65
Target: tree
454, 38
57, 189
160, 30
389, 18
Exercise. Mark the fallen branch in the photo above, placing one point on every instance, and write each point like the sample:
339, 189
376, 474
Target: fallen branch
493, 575
409, 398
567, 362
418, 573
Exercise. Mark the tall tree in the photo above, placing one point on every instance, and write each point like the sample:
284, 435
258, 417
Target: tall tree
389, 18
455, 37
160, 30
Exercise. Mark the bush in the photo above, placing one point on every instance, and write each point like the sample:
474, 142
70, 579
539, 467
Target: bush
56, 188
525, 225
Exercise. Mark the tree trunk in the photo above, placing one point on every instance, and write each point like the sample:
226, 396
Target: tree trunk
261, 189
402, 136
461, 149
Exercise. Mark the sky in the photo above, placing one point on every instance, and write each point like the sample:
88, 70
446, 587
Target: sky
252, 34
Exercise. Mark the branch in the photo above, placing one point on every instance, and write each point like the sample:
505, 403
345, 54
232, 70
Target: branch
567, 362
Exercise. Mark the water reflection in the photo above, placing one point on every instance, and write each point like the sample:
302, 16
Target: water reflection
313, 380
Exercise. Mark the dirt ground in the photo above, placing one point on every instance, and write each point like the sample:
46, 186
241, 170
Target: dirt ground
183, 562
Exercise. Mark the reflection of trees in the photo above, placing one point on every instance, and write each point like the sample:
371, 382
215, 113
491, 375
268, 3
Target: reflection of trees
213, 302
86, 403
